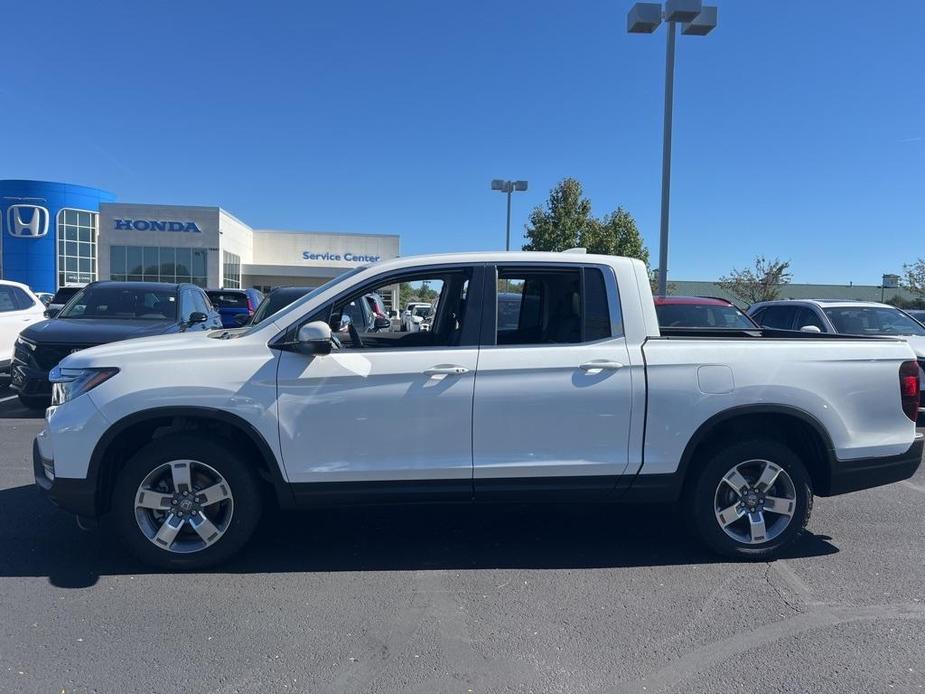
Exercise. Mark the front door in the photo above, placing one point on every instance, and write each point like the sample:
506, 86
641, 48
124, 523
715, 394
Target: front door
553, 392
389, 405
13, 319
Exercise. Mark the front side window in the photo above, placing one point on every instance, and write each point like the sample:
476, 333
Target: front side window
873, 320
551, 306
158, 264
102, 301
76, 246
806, 316
358, 326
779, 317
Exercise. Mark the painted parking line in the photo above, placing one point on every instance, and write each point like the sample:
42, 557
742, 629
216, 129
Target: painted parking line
914, 486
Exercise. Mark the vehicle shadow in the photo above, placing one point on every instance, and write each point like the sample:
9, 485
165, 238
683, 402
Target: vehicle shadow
10, 408
38, 540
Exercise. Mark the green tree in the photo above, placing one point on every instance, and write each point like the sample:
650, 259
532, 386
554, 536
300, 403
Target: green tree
913, 278
615, 234
562, 222
762, 282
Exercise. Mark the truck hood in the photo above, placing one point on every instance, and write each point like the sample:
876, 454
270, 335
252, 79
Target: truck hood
114, 353
93, 331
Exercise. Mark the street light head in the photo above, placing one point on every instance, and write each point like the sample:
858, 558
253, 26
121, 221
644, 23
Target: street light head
682, 10
644, 18
702, 24
497, 184
520, 185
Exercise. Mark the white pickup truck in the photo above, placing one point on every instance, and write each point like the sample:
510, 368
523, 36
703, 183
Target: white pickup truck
180, 440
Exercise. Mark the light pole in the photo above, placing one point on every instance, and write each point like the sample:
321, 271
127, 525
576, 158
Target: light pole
508, 187
697, 20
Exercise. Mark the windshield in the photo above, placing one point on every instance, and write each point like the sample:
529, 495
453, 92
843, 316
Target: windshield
228, 299
294, 306
873, 320
276, 301
423, 311
702, 316
124, 303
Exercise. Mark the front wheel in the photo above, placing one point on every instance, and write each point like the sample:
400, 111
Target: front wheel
186, 502
752, 499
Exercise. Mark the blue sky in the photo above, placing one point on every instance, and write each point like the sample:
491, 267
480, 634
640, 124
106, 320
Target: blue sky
799, 126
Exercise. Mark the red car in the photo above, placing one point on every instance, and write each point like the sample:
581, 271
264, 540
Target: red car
700, 312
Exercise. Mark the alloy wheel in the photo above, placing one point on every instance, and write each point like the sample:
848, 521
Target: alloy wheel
755, 502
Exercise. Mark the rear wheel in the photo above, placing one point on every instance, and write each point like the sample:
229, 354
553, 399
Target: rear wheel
752, 499
186, 502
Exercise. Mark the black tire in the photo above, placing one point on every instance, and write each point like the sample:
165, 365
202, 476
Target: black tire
702, 497
237, 473
34, 402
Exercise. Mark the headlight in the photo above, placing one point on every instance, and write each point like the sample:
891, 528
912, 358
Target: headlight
68, 384
22, 342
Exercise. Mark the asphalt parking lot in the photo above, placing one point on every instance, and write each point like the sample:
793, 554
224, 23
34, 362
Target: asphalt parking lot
464, 599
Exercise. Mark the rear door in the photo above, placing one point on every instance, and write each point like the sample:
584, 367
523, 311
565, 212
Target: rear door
17, 310
553, 391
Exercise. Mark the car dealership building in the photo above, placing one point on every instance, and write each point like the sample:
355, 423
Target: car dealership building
58, 233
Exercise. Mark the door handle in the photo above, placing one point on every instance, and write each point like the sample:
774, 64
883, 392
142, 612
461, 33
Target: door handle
601, 365
445, 370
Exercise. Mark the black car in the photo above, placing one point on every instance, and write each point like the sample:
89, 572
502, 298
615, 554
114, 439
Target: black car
99, 313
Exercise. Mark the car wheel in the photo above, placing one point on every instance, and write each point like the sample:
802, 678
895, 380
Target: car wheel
751, 499
186, 502
34, 402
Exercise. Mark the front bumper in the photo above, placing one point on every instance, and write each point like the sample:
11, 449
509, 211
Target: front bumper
74, 495
864, 473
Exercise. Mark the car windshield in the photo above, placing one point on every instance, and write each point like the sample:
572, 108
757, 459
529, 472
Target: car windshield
702, 316
276, 301
121, 302
228, 299
294, 306
423, 311
873, 320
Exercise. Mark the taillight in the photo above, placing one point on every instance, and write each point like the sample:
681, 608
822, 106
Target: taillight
909, 388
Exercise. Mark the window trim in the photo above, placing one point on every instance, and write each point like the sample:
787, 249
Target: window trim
489, 332
472, 329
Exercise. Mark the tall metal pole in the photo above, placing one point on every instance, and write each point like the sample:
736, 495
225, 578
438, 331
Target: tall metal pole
666, 163
510, 189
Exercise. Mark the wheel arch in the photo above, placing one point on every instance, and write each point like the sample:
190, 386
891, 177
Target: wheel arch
121, 440
793, 426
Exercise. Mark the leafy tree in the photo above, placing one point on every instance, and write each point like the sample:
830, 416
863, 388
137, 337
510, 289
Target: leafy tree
615, 234
564, 220
762, 282
913, 278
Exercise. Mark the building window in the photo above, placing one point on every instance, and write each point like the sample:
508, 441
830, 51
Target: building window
158, 264
231, 270
76, 246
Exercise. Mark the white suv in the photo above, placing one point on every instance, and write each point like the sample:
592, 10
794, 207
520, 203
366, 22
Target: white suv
19, 308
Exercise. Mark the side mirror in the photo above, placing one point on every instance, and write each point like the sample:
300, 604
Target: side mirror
393, 313
51, 312
381, 323
315, 337
242, 319
810, 329
197, 317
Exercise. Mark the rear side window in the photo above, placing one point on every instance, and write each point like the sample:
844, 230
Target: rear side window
7, 300
25, 301
551, 306
780, 317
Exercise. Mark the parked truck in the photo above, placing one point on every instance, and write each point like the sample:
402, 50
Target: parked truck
179, 441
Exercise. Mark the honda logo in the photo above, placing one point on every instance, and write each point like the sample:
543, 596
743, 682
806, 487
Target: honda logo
27, 221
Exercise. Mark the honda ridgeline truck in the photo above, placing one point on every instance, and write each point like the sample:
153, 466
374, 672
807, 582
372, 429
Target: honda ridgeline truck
179, 441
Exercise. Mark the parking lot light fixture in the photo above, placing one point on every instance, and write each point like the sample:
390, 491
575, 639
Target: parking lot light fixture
697, 20
508, 187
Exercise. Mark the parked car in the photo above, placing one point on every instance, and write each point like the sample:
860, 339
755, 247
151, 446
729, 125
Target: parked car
417, 320
19, 308
279, 298
44, 297
180, 442
60, 298
99, 313
231, 303
409, 311
844, 318
700, 312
